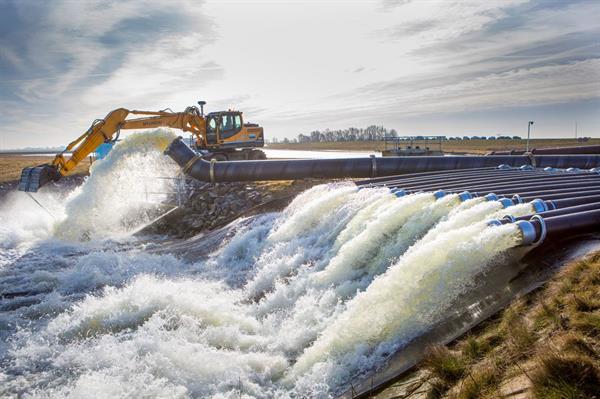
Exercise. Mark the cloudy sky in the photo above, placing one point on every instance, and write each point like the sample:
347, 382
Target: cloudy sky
426, 67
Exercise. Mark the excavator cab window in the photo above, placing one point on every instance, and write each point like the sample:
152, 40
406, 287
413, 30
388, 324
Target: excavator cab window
237, 122
231, 123
211, 129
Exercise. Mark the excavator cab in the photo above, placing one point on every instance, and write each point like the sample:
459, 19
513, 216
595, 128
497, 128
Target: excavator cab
222, 126
229, 138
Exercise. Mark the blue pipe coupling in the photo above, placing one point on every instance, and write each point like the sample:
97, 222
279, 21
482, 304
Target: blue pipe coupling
491, 197
399, 192
539, 205
465, 195
529, 234
506, 202
439, 194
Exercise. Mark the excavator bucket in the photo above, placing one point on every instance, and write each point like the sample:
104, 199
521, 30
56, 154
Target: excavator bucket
37, 176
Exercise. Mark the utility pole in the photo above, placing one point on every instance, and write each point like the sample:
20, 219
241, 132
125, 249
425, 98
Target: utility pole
528, 133
575, 129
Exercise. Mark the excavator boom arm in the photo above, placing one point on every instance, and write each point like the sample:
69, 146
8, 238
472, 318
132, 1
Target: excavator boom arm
103, 131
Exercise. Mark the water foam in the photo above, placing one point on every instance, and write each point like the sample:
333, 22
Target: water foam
296, 303
358, 252
412, 294
121, 189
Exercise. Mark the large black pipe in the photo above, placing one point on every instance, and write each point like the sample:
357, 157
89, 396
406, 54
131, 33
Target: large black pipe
564, 211
571, 223
551, 191
587, 199
503, 187
354, 167
526, 194
576, 219
424, 174
586, 149
471, 175
554, 197
483, 178
457, 172
451, 174
490, 176
498, 181
545, 194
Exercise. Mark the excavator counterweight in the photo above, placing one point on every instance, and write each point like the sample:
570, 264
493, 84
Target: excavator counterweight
219, 135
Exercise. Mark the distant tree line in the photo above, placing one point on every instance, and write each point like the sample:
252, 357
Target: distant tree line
370, 133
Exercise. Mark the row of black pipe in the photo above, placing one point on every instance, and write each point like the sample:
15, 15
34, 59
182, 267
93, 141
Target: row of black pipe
204, 170
564, 202
564, 189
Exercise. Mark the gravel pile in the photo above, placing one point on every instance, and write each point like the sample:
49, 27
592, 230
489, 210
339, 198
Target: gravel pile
207, 206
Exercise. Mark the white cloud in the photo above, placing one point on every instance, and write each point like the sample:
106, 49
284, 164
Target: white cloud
292, 66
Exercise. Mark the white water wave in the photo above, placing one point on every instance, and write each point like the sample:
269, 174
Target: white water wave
294, 303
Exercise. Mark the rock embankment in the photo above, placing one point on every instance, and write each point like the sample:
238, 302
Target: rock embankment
205, 206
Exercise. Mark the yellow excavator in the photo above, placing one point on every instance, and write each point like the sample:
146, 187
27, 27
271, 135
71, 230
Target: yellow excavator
219, 135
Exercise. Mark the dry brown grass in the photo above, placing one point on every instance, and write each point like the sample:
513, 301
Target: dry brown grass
461, 146
565, 375
11, 165
546, 343
445, 365
478, 383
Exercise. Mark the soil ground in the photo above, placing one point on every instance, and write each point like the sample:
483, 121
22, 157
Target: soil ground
11, 165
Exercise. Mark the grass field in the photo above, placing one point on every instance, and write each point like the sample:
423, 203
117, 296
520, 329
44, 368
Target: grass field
11, 165
543, 346
459, 146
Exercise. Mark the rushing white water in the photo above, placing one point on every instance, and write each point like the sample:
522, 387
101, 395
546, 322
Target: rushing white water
133, 176
294, 303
